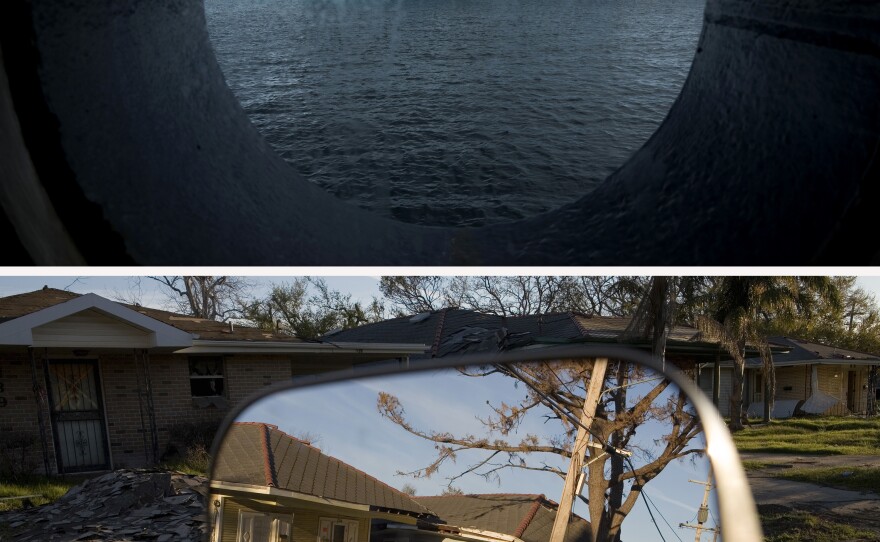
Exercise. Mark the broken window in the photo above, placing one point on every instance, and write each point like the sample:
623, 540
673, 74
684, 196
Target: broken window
260, 527
206, 376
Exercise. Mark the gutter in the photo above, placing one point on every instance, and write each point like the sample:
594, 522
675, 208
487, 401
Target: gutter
292, 347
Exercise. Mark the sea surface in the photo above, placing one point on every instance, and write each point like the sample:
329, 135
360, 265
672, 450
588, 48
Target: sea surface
456, 112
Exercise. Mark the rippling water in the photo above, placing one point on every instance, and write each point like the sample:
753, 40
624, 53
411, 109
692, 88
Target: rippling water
455, 111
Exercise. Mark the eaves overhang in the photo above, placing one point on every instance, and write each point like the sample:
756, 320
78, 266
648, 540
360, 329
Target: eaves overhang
20, 331
293, 347
698, 350
263, 492
280, 495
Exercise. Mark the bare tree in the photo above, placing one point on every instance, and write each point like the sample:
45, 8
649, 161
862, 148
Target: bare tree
416, 294
557, 392
515, 295
212, 298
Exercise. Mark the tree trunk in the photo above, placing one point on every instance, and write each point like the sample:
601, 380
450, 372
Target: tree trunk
560, 524
736, 389
716, 382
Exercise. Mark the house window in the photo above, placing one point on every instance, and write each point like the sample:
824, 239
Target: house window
337, 530
260, 527
206, 376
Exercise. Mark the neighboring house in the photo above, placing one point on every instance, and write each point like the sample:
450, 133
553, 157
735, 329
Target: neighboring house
270, 486
525, 517
89, 384
267, 485
811, 378
458, 331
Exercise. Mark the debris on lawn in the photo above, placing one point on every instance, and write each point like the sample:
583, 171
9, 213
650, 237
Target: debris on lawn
125, 505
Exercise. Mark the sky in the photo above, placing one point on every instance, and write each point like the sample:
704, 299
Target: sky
361, 283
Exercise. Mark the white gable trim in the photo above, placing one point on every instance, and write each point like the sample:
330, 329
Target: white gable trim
19, 331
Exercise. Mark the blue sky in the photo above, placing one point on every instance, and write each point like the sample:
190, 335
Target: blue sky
362, 284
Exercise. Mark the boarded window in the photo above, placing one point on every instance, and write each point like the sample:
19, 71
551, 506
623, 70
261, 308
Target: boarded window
337, 530
206, 376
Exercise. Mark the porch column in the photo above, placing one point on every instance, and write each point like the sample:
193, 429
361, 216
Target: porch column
39, 397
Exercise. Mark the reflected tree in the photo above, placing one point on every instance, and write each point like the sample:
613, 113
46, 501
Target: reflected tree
618, 464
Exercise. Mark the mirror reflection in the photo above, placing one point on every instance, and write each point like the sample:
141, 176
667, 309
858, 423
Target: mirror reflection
478, 453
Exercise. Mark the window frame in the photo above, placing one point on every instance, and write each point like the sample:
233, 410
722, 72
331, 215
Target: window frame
221, 377
280, 526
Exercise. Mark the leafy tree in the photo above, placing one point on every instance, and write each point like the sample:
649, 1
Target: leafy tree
741, 307
307, 308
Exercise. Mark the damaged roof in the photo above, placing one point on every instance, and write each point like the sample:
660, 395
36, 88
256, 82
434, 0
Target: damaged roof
454, 331
260, 454
528, 517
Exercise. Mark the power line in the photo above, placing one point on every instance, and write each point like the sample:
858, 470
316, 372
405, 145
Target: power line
652, 517
647, 500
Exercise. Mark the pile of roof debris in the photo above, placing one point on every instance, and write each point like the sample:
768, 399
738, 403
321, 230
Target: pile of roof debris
125, 505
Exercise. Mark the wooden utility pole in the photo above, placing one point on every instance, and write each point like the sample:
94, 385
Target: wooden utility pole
594, 391
703, 512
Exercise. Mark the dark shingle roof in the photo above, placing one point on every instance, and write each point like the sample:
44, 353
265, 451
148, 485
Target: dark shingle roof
529, 517
15, 306
804, 352
262, 455
459, 331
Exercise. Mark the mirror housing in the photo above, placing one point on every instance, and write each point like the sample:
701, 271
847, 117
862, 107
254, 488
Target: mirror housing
738, 512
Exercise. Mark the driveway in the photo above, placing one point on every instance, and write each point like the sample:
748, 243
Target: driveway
857, 508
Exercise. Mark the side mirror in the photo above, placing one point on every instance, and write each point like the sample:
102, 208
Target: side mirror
561, 444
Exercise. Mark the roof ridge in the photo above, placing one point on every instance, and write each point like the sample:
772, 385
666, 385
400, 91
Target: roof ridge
438, 334
274, 427
41, 290
572, 316
268, 458
530, 515
530, 495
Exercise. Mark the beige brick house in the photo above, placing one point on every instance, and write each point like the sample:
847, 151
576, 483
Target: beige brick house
89, 384
811, 378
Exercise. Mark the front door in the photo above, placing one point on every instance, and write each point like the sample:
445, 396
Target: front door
77, 416
852, 399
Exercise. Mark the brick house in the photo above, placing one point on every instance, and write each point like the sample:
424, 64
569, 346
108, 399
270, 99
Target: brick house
811, 378
89, 384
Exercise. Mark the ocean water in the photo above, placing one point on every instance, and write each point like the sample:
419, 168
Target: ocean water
455, 112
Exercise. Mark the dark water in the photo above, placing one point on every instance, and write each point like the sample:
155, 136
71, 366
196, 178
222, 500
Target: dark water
456, 111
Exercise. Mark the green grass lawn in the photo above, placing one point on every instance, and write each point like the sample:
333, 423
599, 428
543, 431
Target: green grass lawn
819, 436
50, 489
783, 525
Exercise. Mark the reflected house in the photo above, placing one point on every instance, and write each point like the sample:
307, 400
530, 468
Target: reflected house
811, 379
270, 486
90, 384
